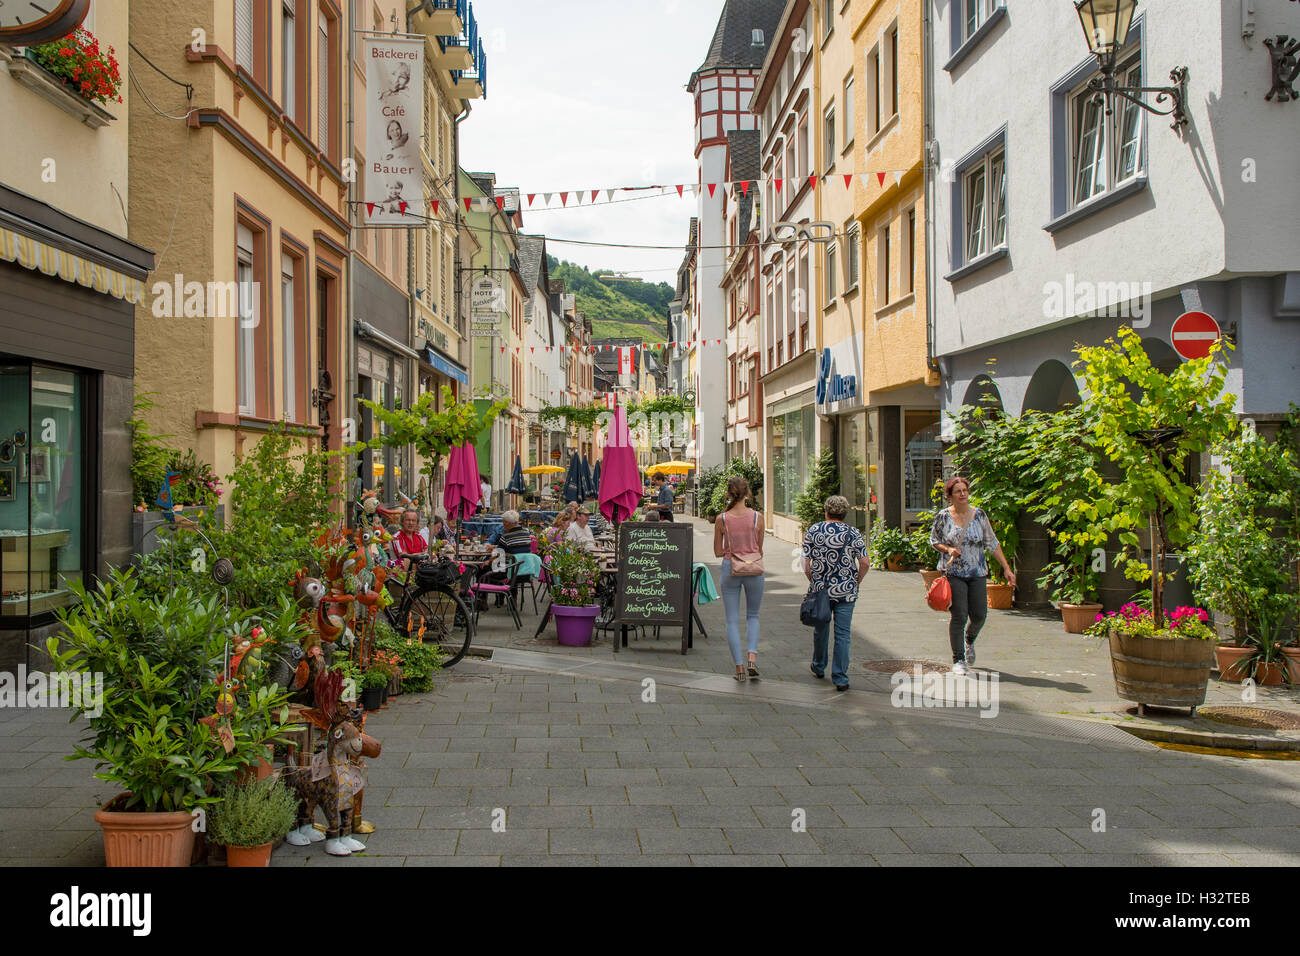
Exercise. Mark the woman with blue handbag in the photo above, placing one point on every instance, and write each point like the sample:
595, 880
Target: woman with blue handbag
835, 562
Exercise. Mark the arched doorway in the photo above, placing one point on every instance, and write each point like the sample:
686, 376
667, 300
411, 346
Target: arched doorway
1051, 389
983, 393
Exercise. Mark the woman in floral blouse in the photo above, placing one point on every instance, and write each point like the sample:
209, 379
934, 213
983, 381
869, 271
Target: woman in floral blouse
835, 561
961, 534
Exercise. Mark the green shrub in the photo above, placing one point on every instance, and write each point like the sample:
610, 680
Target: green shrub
810, 505
253, 814
887, 543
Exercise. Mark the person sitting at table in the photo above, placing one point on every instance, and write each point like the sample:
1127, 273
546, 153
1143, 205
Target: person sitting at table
512, 538
410, 544
438, 529
580, 531
663, 497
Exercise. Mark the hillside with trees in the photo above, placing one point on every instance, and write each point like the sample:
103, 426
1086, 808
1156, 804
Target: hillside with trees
617, 309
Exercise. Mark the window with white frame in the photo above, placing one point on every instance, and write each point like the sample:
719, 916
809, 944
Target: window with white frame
974, 14
873, 92
288, 58
828, 131
830, 272
884, 264
908, 283
1105, 150
851, 243
848, 110
248, 321
985, 191
244, 34
289, 334
805, 167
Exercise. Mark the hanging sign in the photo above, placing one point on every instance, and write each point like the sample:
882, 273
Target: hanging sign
394, 128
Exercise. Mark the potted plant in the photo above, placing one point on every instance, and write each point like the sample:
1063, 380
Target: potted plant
166, 722
891, 548
250, 818
1241, 560
1166, 664
573, 573
373, 682
83, 67
926, 556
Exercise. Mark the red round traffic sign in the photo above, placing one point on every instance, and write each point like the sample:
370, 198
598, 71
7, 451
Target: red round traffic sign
1193, 334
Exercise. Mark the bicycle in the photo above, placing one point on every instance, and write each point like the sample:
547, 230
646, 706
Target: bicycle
438, 608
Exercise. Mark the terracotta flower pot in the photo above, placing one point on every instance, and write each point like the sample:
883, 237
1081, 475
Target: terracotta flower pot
1293, 661
248, 855
1077, 617
258, 771
929, 577
895, 563
133, 838
1229, 657
1000, 596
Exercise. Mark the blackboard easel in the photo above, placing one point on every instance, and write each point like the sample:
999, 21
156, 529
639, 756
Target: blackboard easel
656, 561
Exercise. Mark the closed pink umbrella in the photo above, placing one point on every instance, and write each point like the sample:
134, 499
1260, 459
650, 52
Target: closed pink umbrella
620, 480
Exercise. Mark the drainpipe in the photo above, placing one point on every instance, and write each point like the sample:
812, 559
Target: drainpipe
349, 364
931, 154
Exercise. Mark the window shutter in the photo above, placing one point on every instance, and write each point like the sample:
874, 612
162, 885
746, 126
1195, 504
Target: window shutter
323, 84
244, 34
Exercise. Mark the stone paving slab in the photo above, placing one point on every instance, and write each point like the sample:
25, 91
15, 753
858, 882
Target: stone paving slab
1041, 668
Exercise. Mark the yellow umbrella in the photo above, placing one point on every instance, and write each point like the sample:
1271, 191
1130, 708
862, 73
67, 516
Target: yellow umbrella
543, 470
670, 468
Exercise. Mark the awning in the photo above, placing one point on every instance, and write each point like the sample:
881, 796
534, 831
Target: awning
34, 254
446, 366
369, 331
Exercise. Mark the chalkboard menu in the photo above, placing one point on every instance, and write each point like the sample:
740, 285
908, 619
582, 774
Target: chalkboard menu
654, 573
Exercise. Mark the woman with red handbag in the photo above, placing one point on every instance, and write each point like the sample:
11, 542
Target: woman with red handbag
738, 540
961, 534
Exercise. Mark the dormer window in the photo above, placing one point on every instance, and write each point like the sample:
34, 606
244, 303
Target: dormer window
758, 38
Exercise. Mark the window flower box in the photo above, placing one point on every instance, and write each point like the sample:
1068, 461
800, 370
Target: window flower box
72, 73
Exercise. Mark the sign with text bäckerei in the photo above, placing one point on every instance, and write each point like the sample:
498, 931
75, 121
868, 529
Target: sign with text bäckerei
654, 573
392, 187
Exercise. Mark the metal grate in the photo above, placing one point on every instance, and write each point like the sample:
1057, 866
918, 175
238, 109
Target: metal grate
907, 664
1260, 718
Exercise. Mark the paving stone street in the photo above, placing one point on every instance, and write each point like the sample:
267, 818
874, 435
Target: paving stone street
568, 754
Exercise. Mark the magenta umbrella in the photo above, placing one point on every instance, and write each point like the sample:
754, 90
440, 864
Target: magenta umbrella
461, 494
620, 479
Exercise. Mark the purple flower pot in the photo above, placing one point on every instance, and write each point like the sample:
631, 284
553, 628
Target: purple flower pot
573, 625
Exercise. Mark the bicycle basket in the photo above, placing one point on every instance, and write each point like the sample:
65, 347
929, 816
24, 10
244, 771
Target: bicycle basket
437, 574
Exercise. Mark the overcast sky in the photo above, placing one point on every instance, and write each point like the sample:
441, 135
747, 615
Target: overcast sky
590, 94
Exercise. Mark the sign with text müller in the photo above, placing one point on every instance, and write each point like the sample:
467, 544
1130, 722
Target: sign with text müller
653, 583
391, 189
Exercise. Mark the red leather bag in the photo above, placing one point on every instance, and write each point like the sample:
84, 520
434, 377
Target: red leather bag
939, 596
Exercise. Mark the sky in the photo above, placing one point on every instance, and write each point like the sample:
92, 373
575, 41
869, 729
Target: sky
591, 94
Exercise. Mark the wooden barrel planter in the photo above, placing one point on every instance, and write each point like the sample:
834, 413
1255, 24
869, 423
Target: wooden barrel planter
1000, 596
1165, 672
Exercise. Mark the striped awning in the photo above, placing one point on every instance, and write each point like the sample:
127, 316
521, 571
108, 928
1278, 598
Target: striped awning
34, 254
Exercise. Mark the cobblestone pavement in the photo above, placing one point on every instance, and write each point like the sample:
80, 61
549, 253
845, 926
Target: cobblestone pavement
582, 770
1041, 668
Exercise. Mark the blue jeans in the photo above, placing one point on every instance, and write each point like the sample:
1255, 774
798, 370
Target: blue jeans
732, 585
842, 615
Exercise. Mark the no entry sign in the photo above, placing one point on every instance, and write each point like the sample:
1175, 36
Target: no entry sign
1193, 334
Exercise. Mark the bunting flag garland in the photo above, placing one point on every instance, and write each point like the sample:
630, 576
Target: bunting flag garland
594, 194
564, 199
679, 191
467, 200
880, 178
401, 207
812, 181
546, 198
778, 184
370, 209
712, 186
898, 176
501, 203
744, 187
435, 204
531, 197
848, 180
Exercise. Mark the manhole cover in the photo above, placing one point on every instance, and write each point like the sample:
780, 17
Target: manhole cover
1258, 717
909, 665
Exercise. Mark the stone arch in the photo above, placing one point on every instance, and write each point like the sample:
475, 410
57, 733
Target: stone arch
1051, 388
983, 392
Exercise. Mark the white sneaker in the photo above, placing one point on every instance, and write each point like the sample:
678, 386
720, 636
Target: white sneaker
970, 654
959, 668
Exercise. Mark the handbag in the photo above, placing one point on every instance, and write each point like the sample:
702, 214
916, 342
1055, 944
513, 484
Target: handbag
749, 564
436, 574
939, 596
816, 608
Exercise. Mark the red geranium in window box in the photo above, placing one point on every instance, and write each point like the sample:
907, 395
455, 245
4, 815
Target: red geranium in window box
84, 68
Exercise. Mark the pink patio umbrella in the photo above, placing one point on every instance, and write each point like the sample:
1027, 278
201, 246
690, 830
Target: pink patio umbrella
462, 492
620, 480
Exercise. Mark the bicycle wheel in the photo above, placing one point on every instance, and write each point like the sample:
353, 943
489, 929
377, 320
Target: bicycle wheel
447, 621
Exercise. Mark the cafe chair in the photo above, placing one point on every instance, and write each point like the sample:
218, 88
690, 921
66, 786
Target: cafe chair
530, 573
506, 590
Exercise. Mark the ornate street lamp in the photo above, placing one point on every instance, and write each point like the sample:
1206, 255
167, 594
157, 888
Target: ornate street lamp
1106, 24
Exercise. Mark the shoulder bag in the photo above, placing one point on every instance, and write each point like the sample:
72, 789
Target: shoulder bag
749, 564
816, 608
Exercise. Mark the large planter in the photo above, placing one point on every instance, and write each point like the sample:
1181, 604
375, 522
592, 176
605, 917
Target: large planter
1166, 672
1228, 659
134, 838
372, 698
574, 625
1293, 662
1077, 617
1000, 596
249, 855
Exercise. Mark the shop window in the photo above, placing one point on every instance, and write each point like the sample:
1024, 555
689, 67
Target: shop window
922, 459
793, 437
46, 517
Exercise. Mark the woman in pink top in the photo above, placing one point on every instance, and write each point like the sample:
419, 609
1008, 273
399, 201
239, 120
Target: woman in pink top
739, 530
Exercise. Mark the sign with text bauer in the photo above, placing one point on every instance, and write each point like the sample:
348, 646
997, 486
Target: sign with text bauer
391, 189
656, 560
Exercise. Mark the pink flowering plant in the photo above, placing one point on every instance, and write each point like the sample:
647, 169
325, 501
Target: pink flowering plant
1188, 623
574, 574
